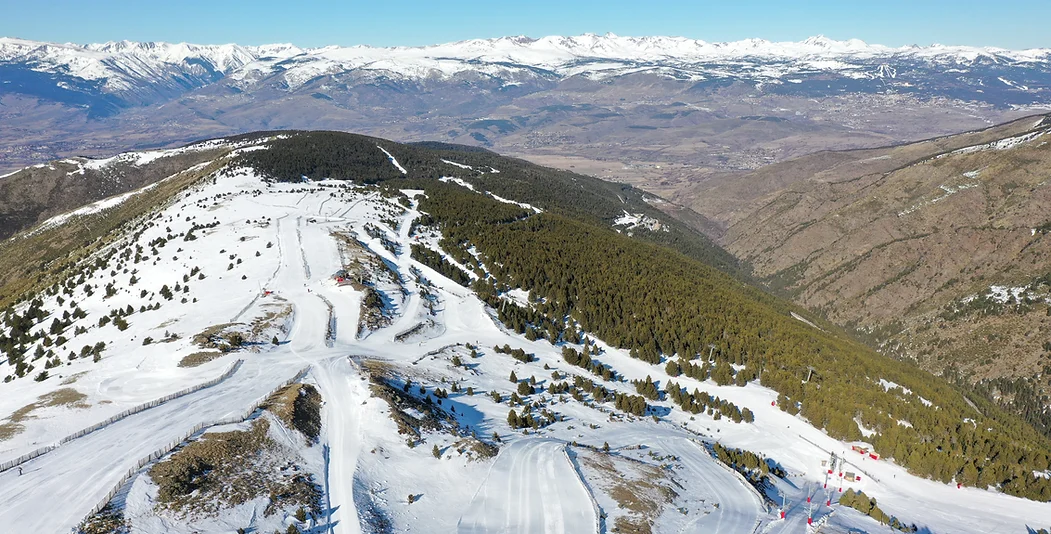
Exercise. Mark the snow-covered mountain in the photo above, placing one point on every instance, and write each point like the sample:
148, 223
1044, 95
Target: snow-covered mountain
422, 399
611, 55
140, 73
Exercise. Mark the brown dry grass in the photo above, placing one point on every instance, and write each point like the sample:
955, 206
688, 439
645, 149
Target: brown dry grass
212, 465
22, 413
10, 430
269, 319
198, 358
73, 378
65, 397
109, 521
68, 397
205, 339
226, 469
299, 407
641, 490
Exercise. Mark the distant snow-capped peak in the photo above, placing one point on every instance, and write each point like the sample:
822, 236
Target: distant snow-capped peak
123, 65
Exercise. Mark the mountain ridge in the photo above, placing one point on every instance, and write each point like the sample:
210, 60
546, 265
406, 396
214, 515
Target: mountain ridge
617, 105
561, 55
555, 53
934, 252
464, 268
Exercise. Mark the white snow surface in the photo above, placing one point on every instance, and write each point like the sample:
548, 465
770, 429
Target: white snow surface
514, 202
464, 183
120, 65
1002, 144
632, 221
393, 161
532, 487
457, 181
529, 487
460, 165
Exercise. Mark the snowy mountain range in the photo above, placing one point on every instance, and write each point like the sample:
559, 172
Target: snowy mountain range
132, 73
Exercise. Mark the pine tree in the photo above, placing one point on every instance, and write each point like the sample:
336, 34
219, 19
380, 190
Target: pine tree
525, 389
436, 452
513, 377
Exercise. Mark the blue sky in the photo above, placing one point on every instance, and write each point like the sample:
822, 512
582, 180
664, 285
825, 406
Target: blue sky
1005, 23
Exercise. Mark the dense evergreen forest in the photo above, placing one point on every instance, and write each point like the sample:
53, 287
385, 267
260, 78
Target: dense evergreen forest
671, 297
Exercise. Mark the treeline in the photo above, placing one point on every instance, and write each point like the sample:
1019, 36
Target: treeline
701, 402
524, 320
722, 372
1021, 396
518, 354
867, 505
633, 404
584, 361
528, 420
755, 469
322, 155
344, 156
435, 261
745, 461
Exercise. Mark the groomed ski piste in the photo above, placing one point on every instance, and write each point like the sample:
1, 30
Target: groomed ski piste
268, 253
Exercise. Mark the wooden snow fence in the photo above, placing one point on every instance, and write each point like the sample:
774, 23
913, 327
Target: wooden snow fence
130, 411
159, 453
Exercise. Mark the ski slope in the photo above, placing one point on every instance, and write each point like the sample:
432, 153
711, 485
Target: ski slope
532, 487
80, 473
740, 509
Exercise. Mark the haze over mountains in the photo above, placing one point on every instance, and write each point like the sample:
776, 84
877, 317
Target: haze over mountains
595, 102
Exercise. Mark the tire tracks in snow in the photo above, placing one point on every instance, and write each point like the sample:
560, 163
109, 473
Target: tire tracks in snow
531, 487
270, 281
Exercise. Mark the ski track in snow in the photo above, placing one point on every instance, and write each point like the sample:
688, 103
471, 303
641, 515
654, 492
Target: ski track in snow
393, 160
738, 507
532, 487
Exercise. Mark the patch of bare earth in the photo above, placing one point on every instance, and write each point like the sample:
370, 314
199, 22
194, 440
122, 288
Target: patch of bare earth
225, 469
67, 397
640, 490
298, 406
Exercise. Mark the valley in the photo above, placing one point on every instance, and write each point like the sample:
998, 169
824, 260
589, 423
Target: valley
934, 251
662, 113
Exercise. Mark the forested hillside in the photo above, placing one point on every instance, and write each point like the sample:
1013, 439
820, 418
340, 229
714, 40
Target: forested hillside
664, 293
354, 157
933, 252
